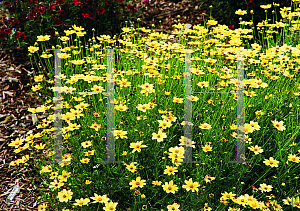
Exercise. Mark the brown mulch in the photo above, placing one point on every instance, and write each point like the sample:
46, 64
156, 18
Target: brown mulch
16, 97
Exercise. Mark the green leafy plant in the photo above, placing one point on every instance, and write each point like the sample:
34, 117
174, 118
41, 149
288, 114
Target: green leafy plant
148, 107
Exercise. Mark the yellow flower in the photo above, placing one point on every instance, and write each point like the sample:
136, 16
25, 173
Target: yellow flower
78, 28
18, 142
169, 187
137, 146
65, 195
126, 29
46, 169
271, 162
33, 49
170, 170
241, 12
43, 38
205, 126
64, 177
80, 34
85, 160
86, 144
42, 207
111, 206
256, 149
45, 56
267, 6
101, 199
63, 55
87, 182
64, 38
190, 185
131, 167
156, 182
137, 183
206, 148
78, 62
56, 184
212, 22
173, 206
88, 153
80, 202
265, 188
40, 146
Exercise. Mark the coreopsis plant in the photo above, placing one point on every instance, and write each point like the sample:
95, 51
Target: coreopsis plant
149, 168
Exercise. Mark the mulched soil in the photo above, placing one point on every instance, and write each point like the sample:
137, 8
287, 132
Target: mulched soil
16, 97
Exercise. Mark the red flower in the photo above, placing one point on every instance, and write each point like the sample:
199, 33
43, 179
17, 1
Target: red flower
59, 2
2, 35
20, 35
5, 30
146, 2
100, 10
76, 2
62, 12
89, 15
15, 23
40, 8
51, 32
250, 4
58, 21
33, 2
6, 3
231, 27
131, 8
83, 5
52, 6
227, 42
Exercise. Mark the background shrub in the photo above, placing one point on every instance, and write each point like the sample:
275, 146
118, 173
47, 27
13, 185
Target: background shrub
30, 19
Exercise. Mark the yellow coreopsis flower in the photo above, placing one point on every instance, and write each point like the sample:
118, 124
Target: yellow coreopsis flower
101, 199
241, 12
80, 202
170, 170
137, 146
64, 177
207, 148
271, 162
56, 184
78, 28
170, 187
137, 183
33, 49
65, 195
126, 29
85, 160
190, 185
212, 22
110, 206
43, 38
42, 207
40, 146
86, 144
78, 62
267, 6
265, 188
